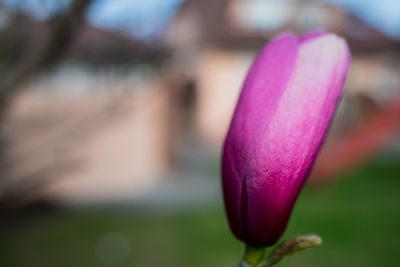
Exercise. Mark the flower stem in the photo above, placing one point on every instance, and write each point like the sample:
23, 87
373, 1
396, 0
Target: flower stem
252, 255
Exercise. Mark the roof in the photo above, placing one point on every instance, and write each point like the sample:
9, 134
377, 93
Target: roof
92, 45
222, 24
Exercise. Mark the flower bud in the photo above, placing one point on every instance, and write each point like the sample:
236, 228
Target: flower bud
281, 119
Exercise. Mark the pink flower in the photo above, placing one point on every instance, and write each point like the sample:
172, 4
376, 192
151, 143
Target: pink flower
281, 119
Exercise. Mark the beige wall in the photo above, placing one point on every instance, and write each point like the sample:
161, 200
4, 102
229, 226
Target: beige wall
220, 77
102, 145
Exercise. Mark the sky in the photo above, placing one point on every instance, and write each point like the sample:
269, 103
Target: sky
141, 18
382, 14
148, 16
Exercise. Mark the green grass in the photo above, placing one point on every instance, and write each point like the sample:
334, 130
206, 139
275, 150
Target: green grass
358, 217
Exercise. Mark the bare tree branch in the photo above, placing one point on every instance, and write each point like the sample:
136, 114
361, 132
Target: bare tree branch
63, 29
52, 46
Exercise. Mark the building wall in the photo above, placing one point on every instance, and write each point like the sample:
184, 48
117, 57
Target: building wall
109, 141
219, 78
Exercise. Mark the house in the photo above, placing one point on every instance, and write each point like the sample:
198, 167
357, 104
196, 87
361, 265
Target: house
108, 123
97, 127
219, 39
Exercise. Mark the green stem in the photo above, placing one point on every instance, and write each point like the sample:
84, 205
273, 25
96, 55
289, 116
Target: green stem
253, 255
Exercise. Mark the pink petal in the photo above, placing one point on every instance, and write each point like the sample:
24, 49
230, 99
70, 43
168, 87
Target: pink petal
287, 147
262, 90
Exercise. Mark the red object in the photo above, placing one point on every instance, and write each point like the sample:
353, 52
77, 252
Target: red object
360, 144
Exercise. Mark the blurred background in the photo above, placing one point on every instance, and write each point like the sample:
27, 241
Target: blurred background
113, 114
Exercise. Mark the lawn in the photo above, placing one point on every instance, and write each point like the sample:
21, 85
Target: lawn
358, 217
